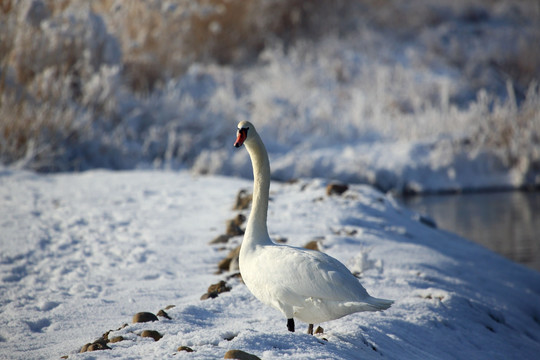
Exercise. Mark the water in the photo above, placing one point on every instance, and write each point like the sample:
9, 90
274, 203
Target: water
506, 222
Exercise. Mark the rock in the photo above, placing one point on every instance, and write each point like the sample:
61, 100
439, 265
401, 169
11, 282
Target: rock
220, 239
219, 287
336, 189
215, 289
162, 313
312, 245
184, 348
152, 334
236, 275
345, 231
233, 229
426, 220
319, 330
239, 220
116, 339
207, 296
144, 317
240, 355
99, 344
243, 200
225, 264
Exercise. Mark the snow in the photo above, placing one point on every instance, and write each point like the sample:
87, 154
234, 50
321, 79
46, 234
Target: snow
83, 252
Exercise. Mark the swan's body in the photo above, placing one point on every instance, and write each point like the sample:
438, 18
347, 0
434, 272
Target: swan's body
304, 284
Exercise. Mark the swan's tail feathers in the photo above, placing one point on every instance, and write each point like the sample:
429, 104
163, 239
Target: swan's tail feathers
379, 304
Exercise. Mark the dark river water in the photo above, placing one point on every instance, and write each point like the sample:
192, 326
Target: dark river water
505, 222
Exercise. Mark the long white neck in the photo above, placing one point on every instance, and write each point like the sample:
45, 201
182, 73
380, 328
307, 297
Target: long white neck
256, 229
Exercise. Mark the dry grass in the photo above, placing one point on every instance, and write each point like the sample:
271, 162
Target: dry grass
512, 131
161, 43
37, 137
56, 63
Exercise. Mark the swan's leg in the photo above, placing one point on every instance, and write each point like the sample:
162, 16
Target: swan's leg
290, 324
310, 329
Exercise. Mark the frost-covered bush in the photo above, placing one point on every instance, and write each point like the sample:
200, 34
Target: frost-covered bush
391, 93
56, 82
514, 133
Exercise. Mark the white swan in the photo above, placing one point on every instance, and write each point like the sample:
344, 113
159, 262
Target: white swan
304, 284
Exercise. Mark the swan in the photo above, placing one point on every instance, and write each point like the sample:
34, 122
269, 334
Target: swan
308, 285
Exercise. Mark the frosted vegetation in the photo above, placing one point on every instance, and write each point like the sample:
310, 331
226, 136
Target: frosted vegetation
411, 96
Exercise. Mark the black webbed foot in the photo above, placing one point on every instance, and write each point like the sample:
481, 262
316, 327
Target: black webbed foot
290, 324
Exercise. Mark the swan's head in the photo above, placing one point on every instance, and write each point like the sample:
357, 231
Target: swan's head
242, 133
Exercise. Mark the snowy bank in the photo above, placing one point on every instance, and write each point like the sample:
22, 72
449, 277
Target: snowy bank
82, 253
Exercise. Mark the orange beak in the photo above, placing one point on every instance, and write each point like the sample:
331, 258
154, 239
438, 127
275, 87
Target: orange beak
241, 137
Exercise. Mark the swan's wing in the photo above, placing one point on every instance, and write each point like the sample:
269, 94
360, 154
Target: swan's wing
299, 274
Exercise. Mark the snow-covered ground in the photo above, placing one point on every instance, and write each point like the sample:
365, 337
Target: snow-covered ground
82, 253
